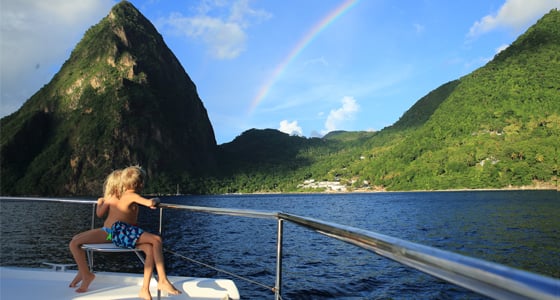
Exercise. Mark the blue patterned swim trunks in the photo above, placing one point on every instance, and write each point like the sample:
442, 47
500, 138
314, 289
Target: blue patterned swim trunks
125, 235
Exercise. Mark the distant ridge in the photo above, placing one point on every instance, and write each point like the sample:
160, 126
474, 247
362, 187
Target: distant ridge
121, 98
421, 111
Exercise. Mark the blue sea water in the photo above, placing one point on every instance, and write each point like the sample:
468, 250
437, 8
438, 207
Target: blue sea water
520, 229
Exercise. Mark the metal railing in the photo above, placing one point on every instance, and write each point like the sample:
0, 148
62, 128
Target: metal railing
480, 276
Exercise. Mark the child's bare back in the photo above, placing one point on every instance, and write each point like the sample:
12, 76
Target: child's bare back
125, 209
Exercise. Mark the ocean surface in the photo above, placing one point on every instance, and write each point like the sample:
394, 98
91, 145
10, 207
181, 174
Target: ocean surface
519, 229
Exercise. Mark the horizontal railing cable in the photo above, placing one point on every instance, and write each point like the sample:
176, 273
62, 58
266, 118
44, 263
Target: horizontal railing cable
62, 200
220, 270
224, 211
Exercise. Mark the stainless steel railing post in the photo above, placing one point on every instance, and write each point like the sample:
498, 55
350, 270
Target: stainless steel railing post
93, 216
278, 285
160, 220
160, 234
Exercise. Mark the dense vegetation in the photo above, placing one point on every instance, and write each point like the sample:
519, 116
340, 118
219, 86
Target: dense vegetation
122, 98
497, 127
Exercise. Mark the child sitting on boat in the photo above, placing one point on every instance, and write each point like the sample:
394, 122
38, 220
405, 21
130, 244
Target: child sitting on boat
112, 189
127, 235
121, 200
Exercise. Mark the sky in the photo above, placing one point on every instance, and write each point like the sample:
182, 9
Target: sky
304, 67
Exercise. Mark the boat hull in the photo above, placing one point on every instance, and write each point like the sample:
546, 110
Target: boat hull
29, 283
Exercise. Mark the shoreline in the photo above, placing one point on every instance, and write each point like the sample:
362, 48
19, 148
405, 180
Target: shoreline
369, 191
536, 186
541, 187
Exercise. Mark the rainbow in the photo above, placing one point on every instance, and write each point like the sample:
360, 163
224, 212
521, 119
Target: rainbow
300, 45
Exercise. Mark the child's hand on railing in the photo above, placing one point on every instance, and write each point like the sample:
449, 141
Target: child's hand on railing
155, 202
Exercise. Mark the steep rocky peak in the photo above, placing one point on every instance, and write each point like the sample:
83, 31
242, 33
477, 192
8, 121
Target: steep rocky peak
121, 98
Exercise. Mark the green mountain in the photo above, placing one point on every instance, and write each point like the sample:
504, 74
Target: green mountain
121, 98
497, 127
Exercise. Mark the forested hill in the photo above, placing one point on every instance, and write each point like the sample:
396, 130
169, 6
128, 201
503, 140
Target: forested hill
121, 98
494, 128
499, 126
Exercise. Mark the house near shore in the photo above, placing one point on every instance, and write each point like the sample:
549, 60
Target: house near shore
324, 185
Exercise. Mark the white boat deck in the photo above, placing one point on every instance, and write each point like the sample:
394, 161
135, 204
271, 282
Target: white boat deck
30, 283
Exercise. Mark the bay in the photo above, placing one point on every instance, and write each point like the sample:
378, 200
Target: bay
520, 229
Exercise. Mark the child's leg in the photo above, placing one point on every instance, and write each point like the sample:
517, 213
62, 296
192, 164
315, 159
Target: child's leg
157, 248
84, 275
148, 270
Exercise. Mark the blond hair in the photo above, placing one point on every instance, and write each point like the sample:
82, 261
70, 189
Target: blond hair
113, 185
132, 178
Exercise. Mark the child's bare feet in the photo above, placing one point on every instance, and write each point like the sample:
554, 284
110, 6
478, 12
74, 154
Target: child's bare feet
76, 280
145, 294
168, 287
86, 281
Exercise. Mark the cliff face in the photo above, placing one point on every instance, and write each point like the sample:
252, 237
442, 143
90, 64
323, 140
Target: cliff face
121, 98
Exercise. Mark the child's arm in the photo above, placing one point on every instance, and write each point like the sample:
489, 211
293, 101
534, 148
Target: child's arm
102, 208
151, 203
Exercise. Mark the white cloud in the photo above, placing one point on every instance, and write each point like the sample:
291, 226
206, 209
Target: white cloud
291, 128
225, 40
220, 25
241, 13
501, 48
337, 117
514, 14
36, 38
